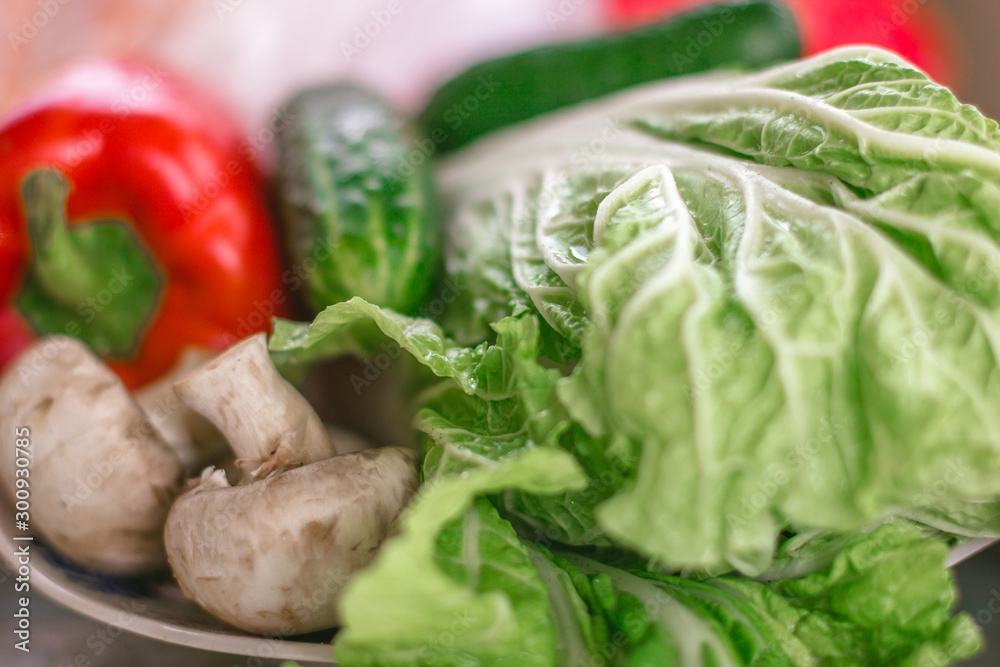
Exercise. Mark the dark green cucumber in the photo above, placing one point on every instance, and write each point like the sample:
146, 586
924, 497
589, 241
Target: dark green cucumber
501, 92
357, 199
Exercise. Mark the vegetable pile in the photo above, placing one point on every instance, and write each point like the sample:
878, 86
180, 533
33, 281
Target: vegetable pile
702, 370
748, 328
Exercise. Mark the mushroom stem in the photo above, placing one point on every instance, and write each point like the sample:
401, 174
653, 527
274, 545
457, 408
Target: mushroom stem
269, 425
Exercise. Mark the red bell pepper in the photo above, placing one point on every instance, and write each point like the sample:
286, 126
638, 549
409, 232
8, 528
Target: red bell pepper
915, 29
131, 217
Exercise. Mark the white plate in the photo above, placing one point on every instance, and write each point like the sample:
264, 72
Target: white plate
968, 550
155, 610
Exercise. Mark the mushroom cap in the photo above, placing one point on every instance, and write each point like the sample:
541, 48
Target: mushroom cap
270, 557
101, 479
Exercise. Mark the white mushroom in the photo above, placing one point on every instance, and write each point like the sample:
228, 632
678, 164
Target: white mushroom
269, 424
271, 557
195, 439
101, 480
271, 554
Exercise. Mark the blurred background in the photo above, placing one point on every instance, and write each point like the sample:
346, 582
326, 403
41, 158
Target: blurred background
254, 53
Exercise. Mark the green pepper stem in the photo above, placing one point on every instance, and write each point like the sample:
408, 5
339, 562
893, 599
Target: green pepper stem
66, 272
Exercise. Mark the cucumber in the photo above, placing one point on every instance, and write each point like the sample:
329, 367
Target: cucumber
501, 92
357, 199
